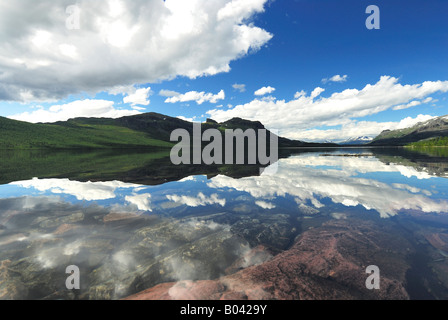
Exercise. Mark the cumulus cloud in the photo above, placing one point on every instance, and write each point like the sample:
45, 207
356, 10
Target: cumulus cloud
88, 191
75, 109
265, 205
354, 166
238, 10
168, 93
263, 91
299, 94
317, 92
119, 43
413, 104
239, 87
304, 112
139, 97
302, 178
357, 128
122, 90
132, 95
198, 97
199, 201
142, 201
409, 105
335, 78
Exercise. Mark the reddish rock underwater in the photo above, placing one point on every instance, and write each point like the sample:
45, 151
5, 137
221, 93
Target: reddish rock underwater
328, 262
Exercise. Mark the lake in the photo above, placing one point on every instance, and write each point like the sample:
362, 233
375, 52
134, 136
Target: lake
136, 224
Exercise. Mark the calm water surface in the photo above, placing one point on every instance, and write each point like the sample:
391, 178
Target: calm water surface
131, 222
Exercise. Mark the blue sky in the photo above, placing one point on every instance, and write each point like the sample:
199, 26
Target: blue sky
383, 79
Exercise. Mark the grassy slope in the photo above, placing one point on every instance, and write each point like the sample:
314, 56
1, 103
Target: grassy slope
141, 131
434, 142
395, 134
23, 135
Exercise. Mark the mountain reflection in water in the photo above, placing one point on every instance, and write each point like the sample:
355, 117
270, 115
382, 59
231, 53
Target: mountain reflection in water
133, 222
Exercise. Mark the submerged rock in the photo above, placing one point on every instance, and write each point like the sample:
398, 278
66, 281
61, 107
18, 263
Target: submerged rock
57, 221
11, 288
324, 263
438, 240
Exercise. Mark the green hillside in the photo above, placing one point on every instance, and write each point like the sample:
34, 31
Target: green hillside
147, 130
434, 142
102, 133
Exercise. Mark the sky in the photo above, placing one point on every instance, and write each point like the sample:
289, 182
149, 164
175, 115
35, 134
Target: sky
308, 68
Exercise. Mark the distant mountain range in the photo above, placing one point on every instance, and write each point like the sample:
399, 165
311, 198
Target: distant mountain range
357, 141
422, 133
148, 130
153, 130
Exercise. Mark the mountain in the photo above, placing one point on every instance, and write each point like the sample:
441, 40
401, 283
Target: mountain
148, 130
74, 134
357, 141
421, 132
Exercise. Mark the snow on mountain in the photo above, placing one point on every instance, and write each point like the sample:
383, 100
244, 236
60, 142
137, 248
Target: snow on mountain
357, 140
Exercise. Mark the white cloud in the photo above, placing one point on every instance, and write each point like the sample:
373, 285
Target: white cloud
139, 97
75, 109
132, 95
299, 94
237, 10
239, 87
263, 91
413, 104
120, 43
69, 51
200, 200
357, 129
303, 178
336, 78
168, 93
142, 201
88, 191
265, 205
199, 97
409, 122
317, 92
409, 105
303, 113
122, 90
